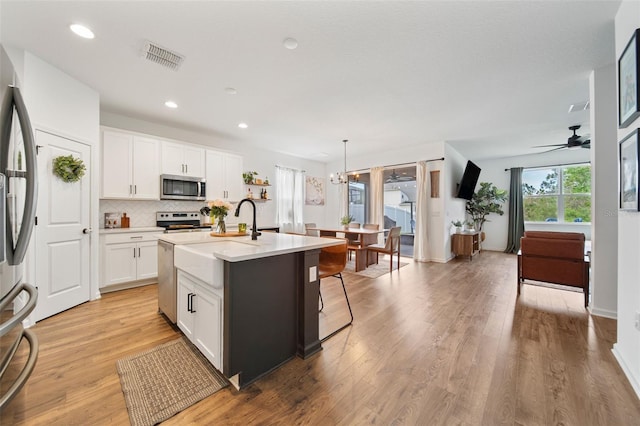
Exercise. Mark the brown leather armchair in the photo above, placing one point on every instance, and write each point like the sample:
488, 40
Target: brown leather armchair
554, 257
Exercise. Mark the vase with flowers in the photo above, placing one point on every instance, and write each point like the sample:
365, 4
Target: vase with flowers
218, 211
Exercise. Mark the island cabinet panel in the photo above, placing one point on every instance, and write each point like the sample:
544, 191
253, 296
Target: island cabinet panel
261, 323
200, 315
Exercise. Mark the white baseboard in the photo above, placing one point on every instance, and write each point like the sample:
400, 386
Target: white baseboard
626, 370
603, 313
124, 286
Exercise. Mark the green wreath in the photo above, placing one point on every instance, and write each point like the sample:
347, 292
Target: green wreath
68, 169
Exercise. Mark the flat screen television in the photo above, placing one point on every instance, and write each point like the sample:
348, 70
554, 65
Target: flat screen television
469, 180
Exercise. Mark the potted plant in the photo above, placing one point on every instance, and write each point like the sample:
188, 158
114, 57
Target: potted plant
458, 224
248, 177
488, 199
346, 220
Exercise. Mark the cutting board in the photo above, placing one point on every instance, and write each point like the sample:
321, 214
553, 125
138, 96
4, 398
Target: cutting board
229, 234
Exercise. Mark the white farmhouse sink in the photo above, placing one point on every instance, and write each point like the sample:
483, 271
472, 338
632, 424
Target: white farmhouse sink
200, 260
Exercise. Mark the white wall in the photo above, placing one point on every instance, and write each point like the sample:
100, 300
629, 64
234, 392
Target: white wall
261, 161
494, 171
604, 193
627, 348
455, 208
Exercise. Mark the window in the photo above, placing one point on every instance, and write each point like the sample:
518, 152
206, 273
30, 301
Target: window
358, 206
557, 194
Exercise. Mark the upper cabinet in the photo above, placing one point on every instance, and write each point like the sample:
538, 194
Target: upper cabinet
182, 160
224, 176
130, 166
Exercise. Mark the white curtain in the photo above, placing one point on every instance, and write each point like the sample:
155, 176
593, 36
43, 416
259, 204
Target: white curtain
290, 200
421, 240
377, 199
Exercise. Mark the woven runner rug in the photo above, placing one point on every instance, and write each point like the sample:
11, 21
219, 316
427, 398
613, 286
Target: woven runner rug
161, 382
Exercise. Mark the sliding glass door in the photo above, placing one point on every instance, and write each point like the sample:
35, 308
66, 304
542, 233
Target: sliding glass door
399, 204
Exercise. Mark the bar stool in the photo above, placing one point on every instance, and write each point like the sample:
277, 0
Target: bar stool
333, 260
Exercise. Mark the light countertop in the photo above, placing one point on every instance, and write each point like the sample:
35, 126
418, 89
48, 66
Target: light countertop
236, 249
131, 230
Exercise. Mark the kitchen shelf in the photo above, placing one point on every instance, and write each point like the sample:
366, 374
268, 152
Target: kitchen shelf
258, 184
261, 200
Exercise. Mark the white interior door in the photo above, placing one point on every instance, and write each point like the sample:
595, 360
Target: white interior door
62, 249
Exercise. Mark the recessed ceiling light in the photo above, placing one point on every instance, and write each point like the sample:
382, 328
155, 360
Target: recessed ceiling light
230, 91
82, 31
290, 43
171, 104
243, 125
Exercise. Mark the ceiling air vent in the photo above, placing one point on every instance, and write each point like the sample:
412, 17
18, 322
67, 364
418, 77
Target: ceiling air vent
162, 56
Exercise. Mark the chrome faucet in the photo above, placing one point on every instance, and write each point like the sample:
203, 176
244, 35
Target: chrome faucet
254, 229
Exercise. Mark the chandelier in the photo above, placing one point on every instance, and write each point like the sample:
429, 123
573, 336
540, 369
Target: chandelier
341, 177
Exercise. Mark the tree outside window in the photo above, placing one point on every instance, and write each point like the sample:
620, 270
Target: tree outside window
558, 194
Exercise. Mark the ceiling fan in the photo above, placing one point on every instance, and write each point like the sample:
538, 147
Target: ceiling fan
572, 142
394, 177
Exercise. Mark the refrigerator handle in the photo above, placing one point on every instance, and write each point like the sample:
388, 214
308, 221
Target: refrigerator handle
14, 98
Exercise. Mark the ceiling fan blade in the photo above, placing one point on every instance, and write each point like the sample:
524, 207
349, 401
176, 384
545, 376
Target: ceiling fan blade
586, 144
544, 146
554, 149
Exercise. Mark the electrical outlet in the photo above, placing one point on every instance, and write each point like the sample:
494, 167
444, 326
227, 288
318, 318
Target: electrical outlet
637, 321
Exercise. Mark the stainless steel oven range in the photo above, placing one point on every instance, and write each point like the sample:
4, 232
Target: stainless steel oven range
180, 221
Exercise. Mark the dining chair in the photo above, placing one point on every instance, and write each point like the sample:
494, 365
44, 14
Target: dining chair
332, 261
390, 247
311, 233
357, 244
353, 239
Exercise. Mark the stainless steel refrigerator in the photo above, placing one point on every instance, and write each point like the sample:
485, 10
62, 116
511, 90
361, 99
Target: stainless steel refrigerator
18, 194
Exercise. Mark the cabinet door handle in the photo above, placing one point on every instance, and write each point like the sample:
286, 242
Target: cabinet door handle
130, 189
186, 168
134, 252
189, 302
138, 251
193, 295
135, 189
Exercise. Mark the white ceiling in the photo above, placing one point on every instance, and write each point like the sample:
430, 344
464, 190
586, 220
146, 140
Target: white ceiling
492, 78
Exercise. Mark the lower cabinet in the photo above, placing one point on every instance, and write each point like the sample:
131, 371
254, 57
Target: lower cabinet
200, 316
128, 257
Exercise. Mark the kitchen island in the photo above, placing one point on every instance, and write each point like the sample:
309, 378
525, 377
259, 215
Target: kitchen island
249, 306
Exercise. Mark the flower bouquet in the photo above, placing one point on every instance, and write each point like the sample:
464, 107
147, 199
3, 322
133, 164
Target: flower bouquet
219, 210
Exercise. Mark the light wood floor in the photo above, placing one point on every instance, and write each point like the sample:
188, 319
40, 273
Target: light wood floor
431, 344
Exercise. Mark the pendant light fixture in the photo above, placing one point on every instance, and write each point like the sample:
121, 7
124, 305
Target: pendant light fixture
341, 177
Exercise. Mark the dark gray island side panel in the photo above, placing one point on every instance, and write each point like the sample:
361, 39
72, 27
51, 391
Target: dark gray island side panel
265, 314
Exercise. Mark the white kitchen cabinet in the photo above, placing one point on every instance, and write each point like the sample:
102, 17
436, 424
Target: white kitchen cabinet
182, 160
130, 166
128, 257
200, 316
224, 176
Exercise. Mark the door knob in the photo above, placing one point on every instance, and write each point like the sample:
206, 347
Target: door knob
86, 231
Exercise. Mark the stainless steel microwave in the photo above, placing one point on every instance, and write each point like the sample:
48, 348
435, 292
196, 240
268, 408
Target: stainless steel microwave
175, 187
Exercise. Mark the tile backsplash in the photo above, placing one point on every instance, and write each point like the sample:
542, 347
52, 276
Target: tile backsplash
142, 213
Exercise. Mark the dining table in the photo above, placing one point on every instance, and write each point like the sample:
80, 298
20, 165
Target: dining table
367, 237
